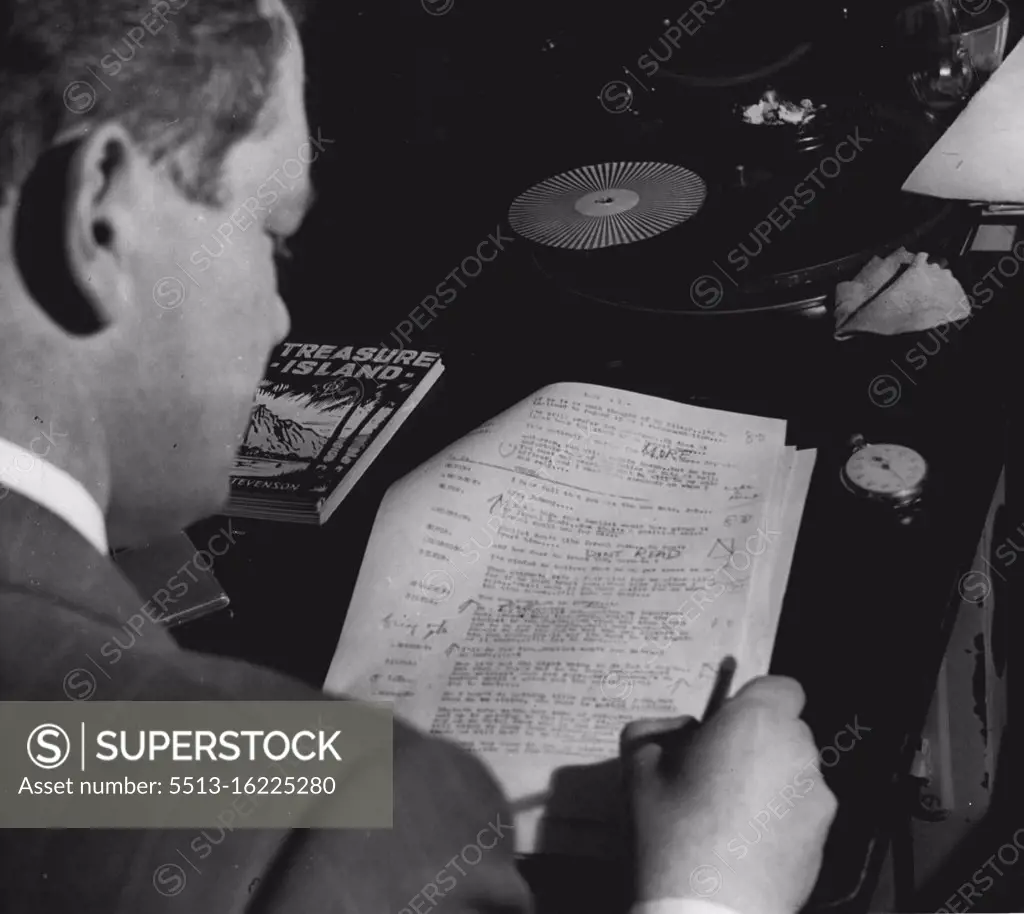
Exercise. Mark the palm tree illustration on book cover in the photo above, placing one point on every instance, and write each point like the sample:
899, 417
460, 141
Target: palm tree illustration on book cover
306, 432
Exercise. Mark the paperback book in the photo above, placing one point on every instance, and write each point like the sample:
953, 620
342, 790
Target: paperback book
322, 415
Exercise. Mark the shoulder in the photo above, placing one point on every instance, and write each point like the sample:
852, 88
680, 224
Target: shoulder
436, 779
452, 831
50, 651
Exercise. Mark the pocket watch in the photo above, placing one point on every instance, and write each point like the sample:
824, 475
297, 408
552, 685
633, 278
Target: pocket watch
891, 475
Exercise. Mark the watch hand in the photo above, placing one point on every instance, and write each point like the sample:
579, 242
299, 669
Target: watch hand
885, 465
900, 478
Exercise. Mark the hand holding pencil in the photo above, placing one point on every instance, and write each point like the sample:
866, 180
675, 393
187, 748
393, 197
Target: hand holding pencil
700, 792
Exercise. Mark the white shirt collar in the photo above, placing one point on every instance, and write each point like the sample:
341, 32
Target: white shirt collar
28, 474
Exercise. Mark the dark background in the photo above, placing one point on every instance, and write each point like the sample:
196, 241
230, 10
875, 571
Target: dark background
442, 120
438, 122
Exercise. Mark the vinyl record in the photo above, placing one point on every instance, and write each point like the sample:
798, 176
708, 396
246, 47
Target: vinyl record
598, 206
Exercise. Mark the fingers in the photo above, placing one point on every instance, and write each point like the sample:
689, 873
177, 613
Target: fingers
638, 733
643, 743
783, 694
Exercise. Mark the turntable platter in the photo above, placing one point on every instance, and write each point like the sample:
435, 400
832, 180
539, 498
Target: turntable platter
769, 238
614, 203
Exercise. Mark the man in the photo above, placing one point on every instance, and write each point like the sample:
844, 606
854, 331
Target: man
129, 136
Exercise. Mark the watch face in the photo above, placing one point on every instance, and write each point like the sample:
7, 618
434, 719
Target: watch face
890, 472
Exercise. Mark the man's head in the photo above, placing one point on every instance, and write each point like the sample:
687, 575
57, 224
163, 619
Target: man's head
151, 155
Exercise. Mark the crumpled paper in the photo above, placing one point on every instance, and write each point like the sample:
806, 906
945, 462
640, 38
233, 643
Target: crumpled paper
924, 296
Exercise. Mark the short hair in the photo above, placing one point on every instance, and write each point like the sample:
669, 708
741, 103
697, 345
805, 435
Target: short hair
186, 78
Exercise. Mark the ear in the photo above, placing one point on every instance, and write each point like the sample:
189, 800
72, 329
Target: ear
109, 193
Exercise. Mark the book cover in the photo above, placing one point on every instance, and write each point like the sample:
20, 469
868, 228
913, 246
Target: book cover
321, 415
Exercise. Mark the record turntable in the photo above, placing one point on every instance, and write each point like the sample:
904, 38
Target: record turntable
789, 210
725, 228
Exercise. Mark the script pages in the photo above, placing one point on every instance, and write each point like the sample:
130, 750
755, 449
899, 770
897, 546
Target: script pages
585, 559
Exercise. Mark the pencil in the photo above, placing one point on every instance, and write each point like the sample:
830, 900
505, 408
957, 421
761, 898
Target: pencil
723, 683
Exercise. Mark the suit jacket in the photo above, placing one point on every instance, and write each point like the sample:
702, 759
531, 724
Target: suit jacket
60, 602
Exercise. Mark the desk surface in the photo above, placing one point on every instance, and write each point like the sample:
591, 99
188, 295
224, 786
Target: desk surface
870, 603
868, 607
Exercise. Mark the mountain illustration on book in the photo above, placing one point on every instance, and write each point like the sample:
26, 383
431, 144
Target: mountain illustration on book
271, 436
321, 416
314, 433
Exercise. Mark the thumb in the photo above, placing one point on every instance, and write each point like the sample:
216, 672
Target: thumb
639, 732
643, 742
